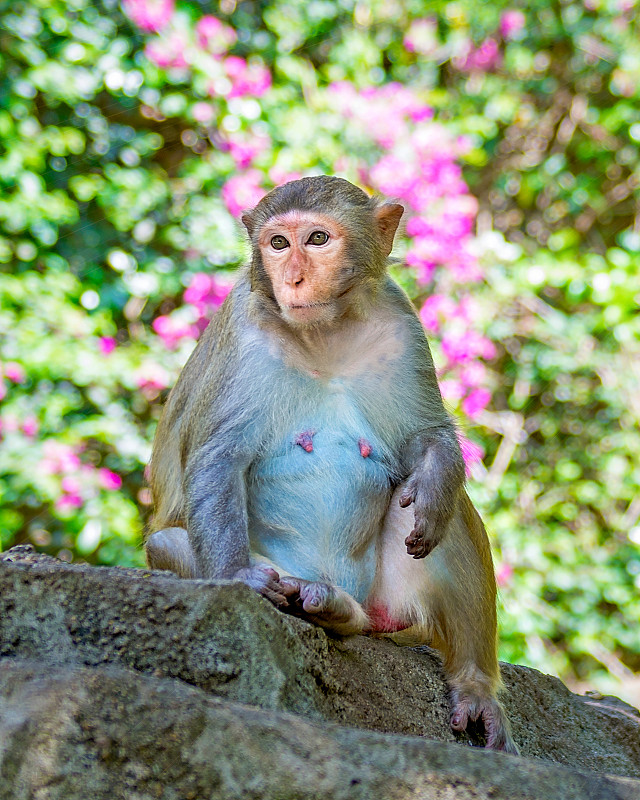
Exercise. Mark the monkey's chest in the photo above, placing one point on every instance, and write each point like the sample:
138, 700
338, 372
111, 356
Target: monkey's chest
316, 502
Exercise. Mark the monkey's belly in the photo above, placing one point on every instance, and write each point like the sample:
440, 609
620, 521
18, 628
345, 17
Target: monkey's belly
317, 514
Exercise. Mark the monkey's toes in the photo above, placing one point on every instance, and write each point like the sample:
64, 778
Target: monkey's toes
315, 597
460, 719
489, 710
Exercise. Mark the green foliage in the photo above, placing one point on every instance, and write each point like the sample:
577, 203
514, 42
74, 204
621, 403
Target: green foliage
119, 148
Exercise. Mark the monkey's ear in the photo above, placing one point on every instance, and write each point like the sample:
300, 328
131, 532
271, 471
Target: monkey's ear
248, 221
388, 217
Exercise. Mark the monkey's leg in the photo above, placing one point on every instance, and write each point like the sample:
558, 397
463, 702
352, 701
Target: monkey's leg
170, 549
448, 600
325, 604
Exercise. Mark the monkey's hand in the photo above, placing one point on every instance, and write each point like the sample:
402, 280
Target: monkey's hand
265, 581
432, 512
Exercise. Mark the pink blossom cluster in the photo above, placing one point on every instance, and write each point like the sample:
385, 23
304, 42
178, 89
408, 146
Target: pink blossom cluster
205, 48
487, 56
244, 149
420, 168
149, 15
484, 57
107, 345
207, 292
13, 372
214, 36
247, 80
169, 51
422, 37
464, 348
28, 425
78, 481
383, 111
204, 295
512, 22
243, 191
151, 378
172, 329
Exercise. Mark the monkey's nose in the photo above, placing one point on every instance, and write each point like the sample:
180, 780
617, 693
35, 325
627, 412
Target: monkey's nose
294, 280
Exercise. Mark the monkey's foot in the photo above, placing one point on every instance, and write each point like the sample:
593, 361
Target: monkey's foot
324, 604
264, 580
470, 706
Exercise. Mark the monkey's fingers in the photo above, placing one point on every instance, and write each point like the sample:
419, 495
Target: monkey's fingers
407, 497
418, 545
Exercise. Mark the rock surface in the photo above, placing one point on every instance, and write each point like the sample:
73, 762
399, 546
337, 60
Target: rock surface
128, 683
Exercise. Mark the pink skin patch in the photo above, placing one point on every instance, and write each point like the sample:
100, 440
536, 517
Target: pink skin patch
382, 621
365, 448
305, 440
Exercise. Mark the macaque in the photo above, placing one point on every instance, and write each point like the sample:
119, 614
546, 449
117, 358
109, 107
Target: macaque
306, 451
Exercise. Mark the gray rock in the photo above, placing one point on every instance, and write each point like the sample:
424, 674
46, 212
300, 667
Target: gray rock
94, 701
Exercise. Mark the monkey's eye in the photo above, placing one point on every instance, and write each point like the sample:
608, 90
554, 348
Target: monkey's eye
318, 237
279, 242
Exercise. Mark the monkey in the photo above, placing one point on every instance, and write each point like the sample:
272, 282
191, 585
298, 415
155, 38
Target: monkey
306, 451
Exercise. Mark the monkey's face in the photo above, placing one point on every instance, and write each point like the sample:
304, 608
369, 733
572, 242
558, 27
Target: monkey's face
304, 255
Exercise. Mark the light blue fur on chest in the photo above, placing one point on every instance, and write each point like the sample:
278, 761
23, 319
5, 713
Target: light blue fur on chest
316, 514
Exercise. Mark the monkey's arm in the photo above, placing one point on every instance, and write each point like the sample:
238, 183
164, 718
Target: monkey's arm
216, 514
431, 457
436, 478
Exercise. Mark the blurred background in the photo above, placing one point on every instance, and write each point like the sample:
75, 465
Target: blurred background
131, 136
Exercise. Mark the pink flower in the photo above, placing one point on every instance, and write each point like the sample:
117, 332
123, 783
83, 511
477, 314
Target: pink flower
207, 291
504, 573
245, 151
30, 427
150, 15
476, 401
171, 329
436, 308
394, 176
14, 372
59, 458
214, 36
472, 453
483, 58
70, 485
203, 112
243, 191
473, 374
151, 379
68, 502
246, 79
451, 389
109, 480
107, 345
279, 176
511, 23
422, 37
463, 346
169, 51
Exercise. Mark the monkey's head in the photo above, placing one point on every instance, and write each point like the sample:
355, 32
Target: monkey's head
320, 247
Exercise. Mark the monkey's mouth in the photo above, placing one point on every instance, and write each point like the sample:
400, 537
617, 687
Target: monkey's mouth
308, 313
